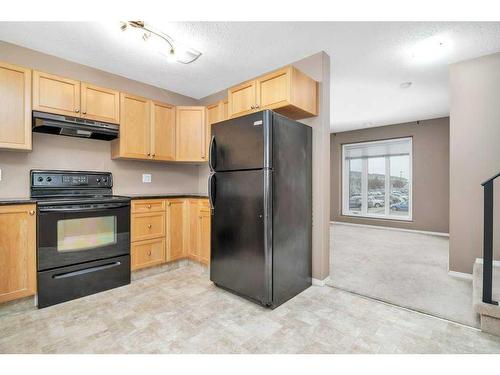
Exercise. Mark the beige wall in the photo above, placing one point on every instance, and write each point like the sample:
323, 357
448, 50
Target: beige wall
430, 173
474, 155
56, 152
318, 67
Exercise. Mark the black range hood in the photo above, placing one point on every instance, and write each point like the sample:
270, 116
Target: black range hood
73, 126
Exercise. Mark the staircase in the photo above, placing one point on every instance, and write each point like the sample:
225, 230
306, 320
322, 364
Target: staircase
489, 313
485, 297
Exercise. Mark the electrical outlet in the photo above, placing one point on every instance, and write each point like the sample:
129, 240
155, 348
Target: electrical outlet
146, 178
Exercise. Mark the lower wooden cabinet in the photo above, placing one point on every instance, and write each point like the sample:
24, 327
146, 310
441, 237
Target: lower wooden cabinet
175, 229
17, 251
148, 253
165, 230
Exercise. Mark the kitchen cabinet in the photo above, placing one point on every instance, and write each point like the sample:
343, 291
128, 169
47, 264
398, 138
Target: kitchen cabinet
287, 91
193, 251
242, 99
64, 96
162, 131
99, 103
17, 251
204, 218
148, 253
215, 113
135, 130
165, 230
147, 130
175, 229
56, 94
191, 134
15, 111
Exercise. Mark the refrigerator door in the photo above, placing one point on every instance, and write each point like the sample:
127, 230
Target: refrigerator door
241, 143
240, 260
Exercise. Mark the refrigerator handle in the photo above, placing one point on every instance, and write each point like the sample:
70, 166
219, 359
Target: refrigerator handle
212, 154
211, 192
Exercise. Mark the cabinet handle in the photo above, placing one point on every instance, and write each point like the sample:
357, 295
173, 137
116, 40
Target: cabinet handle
257, 106
149, 226
149, 253
77, 110
153, 155
149, 153
84, 113
169, 204
32, 212
252, 106
149, 206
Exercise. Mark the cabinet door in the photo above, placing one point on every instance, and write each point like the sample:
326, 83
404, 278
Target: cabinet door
190, 134
55, 94
242, 99
215, 113
204, 235
273, 89
175, 229
193, 250
17, 252
100, 104
134, 140
15, 110
147, 253
225, 109
162, 131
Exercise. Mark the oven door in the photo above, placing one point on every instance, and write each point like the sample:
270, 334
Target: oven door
69, 235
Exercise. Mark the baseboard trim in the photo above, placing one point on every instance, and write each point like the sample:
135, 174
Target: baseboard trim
441, 234
318, 282
460, 275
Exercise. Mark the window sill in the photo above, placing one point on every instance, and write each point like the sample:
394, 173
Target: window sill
406, 219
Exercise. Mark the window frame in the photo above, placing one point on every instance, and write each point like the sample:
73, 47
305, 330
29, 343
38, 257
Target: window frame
364, 183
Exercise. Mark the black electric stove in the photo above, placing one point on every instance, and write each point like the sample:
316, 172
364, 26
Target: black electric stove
83, 234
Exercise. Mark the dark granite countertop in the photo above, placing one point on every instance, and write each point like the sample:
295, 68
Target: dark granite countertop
163, 196
28, 200
10, 201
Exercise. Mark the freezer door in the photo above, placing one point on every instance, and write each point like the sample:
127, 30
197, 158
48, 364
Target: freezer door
240, 260
241, 143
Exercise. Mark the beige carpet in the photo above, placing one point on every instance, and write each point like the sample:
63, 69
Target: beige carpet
403, 268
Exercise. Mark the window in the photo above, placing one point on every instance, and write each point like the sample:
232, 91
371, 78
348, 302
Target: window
377, 179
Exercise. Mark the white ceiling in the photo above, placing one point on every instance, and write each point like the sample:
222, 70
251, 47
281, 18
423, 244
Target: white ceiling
369, 59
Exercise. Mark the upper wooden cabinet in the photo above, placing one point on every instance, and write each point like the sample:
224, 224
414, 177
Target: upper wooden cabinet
68, 97
99, 103
147, 130
242, 99
56, 94
162, 131
15, 108
191, 134
215, 113
17, 251
135, 128
287, 91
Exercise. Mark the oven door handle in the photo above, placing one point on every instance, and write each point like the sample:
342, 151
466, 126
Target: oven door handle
82, 209
86, 270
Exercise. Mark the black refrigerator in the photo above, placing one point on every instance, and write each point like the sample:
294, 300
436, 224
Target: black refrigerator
260, 191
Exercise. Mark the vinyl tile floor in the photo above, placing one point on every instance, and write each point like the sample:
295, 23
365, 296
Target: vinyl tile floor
181, 311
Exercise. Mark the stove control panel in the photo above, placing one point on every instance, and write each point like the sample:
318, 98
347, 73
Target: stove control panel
67, 179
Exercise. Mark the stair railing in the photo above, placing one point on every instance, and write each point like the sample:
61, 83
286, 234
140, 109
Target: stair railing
488, 241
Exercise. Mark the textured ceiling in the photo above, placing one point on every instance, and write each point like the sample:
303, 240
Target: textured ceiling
369, 60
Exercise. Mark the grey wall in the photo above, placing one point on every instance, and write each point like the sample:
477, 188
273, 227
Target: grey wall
430, 173
474, 155
50, 152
